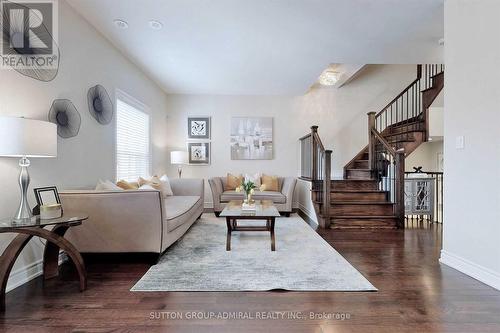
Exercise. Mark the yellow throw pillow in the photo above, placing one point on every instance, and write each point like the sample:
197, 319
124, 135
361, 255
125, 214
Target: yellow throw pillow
233, 182
269, 183
127, 185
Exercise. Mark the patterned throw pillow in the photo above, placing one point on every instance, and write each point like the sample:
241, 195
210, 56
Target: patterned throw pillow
157, 184
253, 178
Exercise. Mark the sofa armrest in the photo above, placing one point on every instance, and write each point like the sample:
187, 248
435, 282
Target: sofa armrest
185, 186
217, 190
119, 221
288, 190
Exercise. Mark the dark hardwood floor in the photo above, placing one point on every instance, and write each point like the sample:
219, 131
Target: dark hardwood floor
416, 294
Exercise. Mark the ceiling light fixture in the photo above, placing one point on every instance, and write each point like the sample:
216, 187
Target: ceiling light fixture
121, 24
155, 25
329, 77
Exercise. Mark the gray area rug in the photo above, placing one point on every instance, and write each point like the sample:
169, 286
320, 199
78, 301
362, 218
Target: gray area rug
303, 261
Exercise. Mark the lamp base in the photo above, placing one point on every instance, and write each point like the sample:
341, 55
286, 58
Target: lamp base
24, 211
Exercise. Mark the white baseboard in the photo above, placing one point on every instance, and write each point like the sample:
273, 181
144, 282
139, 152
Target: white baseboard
27, 273
305, 210
478, 272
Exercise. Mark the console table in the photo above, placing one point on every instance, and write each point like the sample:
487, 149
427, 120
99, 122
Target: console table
26, 229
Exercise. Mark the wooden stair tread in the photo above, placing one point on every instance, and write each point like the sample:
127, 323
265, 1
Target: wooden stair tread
385, 135
401, 141
357, 191
405, 123
363, 217
361, 203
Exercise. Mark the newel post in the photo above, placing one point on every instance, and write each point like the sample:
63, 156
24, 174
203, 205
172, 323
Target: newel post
314, 133
371, 141
400, 188
327, 184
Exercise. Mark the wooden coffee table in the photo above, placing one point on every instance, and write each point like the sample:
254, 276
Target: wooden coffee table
264, 211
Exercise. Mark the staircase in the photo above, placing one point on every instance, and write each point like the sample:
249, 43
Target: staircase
371, 193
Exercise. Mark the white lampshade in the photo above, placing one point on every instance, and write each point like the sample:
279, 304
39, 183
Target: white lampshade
179, 157
21, 137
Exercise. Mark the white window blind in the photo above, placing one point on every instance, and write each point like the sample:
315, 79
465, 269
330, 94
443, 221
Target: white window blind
133, 155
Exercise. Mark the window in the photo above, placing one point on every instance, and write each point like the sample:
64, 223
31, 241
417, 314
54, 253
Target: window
133, 152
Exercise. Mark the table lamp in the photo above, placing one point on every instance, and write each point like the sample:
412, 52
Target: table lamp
21, 137
179, 158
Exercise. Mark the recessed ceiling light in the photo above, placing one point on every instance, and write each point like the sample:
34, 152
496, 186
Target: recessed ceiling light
155, 25
329, 77
120, 24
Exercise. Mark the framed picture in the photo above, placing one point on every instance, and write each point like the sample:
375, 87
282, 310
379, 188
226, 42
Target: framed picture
199, 128
199, 153
47, 195
252, 138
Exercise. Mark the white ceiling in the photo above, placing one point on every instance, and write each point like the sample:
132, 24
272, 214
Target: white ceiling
261, 47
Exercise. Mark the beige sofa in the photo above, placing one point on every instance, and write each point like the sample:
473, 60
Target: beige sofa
136, 220
283, 199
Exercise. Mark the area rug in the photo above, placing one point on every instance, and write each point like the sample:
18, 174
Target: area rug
303, 261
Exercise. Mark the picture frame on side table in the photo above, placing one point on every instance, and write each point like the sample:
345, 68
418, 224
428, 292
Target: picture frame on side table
199, 128
199, 153
48, 197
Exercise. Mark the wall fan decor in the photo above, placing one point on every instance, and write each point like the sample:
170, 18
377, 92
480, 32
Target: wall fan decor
30, 52
100, 106
67, 118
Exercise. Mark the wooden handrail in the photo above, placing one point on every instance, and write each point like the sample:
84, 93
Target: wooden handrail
398, 97
320, 144
383, 141
308, 135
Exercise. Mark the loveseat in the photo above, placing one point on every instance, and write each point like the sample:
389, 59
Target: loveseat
282, 199
134, 220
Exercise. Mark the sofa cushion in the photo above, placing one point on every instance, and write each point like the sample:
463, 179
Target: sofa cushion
175, 207
231, 195
275, 197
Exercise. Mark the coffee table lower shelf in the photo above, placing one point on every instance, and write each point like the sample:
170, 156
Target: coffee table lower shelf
232, 225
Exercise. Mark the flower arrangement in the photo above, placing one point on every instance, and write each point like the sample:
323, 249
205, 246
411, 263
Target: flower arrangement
248, 187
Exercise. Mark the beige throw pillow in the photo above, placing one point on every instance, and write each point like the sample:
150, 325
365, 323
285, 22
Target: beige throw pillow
232, 182
270, 183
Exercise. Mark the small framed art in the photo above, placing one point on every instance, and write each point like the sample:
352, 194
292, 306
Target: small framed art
199, 128
47, 195
199, 153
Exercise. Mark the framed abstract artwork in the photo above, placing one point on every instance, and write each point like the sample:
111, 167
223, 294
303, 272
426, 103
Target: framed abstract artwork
252, 138
199, 153
199, 128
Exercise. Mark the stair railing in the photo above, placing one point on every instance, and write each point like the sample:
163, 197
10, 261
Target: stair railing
407, 107
388, 169
316, 167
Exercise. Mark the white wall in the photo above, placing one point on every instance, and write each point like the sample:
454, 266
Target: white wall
472, 97
339, 113
426, 156
86, 59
